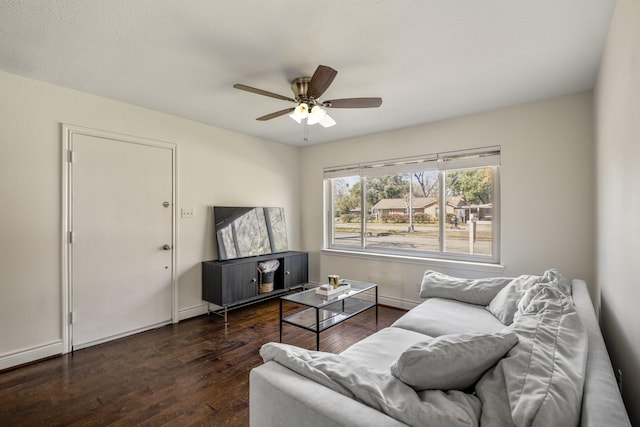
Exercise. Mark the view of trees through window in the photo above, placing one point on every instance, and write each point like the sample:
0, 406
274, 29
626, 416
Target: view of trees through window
403, 212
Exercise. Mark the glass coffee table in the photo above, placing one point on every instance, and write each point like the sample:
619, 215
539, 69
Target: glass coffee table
323, 312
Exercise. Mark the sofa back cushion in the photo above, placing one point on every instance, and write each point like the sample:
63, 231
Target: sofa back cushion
472, 291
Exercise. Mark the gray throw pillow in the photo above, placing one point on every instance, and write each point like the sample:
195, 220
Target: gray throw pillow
472, 291
451, 362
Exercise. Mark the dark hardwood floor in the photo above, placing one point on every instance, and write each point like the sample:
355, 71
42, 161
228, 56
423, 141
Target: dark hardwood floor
194, 373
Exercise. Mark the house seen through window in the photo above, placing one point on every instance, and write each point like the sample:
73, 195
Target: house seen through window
443, 205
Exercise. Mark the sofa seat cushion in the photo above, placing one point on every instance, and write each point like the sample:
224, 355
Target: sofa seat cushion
380, 350
439, 316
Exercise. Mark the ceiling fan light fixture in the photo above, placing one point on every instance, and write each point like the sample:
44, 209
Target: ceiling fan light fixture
316, 115
327, 121
301, 112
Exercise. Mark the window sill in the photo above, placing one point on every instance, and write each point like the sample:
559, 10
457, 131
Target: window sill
427, 262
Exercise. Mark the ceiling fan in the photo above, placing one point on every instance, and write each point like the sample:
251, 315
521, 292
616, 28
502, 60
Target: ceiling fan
307, 92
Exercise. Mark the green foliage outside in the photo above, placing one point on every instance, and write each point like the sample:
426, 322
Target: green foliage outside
474, 185
418, 218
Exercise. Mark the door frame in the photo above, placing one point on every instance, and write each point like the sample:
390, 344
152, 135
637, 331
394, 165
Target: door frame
68, 131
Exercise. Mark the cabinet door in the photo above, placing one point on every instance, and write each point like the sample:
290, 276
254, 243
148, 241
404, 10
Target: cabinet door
239, 282
295, 270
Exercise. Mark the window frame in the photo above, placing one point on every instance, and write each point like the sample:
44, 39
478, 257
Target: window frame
442, 162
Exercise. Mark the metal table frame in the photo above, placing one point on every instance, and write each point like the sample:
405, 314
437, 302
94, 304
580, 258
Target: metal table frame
325, 312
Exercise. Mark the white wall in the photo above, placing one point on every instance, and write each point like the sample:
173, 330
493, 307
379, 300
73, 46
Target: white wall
618, 193
214, 167
547, 197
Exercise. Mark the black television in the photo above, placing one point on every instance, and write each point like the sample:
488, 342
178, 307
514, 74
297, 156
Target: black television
249, 231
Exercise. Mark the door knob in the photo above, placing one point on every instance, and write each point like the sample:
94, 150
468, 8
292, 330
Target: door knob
167, 247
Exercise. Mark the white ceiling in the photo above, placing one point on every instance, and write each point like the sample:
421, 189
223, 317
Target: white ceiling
428, 59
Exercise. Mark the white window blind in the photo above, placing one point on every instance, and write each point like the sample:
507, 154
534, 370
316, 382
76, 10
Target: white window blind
488, 156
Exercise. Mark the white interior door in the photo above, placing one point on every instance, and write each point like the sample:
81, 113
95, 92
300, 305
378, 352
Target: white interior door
121, 256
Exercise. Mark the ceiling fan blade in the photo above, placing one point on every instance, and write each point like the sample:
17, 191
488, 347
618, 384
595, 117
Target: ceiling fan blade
320, 81
262, 92
276, 114
353, 103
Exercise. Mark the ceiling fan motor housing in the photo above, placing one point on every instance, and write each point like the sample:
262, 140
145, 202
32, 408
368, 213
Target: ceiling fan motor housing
300, 86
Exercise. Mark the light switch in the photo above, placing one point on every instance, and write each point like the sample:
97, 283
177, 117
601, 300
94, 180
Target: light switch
188, 213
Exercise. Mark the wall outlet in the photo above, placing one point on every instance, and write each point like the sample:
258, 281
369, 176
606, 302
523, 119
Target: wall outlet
188, 213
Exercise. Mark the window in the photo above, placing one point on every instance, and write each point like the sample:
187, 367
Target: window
443, 205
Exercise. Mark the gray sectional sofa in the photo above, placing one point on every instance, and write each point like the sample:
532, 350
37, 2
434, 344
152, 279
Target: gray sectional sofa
497, 351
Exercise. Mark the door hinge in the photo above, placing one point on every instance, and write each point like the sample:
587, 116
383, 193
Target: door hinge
72, 156
71, 317
72, 237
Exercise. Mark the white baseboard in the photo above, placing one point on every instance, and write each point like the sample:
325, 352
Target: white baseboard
56, 348
87, 344
36, 353
396, 302
187, 313
198, 310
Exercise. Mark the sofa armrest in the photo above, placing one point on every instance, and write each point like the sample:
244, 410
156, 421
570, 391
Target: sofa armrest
279, 397
602, 404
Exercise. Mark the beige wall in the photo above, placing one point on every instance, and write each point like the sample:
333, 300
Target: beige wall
547, 201
214, 167
618, 194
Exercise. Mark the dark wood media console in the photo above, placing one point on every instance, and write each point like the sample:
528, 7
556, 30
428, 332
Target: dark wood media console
234, 283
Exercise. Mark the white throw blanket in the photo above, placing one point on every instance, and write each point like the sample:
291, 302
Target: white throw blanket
381, 391
540, 380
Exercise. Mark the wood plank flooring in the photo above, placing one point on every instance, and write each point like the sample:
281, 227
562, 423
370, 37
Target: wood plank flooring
194, 373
